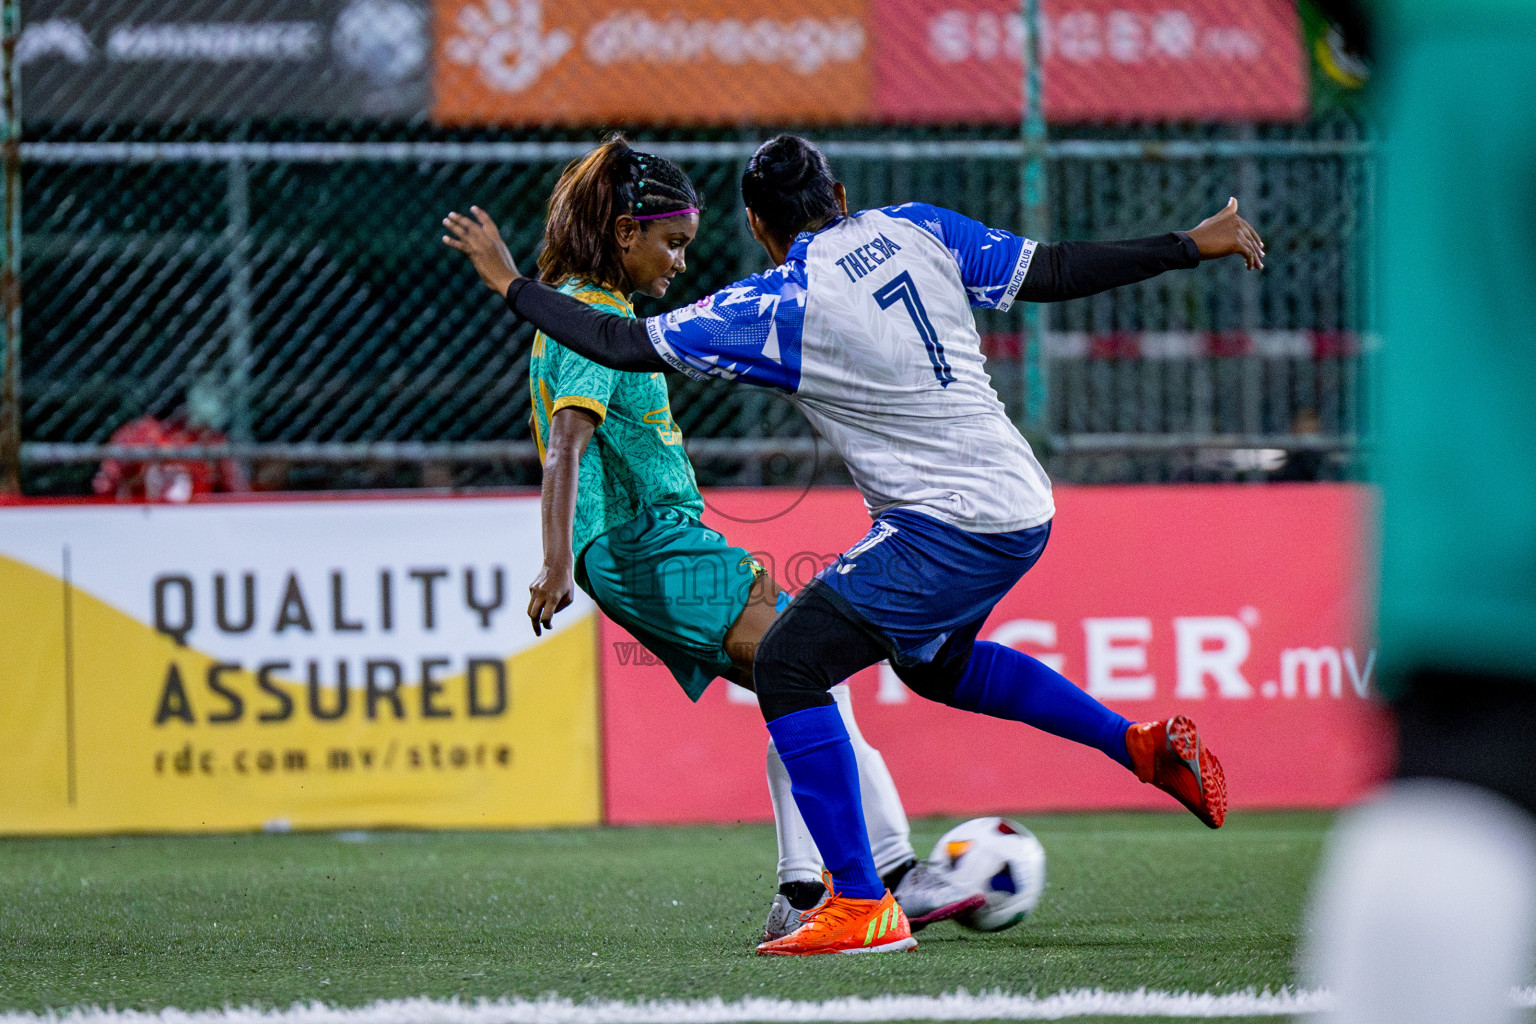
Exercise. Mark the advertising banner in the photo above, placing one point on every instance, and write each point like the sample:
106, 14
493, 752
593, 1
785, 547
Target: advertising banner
525, 62
1117, 60
1242, 606
291, 664
593, 62
184, 59
697, 62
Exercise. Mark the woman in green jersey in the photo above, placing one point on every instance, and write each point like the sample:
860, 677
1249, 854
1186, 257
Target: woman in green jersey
621, 508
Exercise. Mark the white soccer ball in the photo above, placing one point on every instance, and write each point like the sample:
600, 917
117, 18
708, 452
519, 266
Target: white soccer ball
999, 858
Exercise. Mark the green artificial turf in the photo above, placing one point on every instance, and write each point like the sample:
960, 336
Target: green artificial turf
1134, 900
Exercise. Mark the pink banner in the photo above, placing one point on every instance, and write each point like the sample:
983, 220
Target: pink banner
1240, 605
1116, 60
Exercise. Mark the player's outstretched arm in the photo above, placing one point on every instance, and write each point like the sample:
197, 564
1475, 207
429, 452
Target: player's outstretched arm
1072, 270
617, 342
552, 590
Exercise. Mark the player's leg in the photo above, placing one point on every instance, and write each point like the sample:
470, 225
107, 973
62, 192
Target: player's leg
925, 895
1421, 913
900, 592
800, 869
1424, 909
799, 860
1000, 682
690, 620
800, 863
693, 599
890, 834
810, 648
927, 588
763, 604
915, 584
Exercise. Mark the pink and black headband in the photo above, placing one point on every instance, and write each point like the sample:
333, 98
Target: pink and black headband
669, 213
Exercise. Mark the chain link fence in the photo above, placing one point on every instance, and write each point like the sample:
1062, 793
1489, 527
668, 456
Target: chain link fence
279, 278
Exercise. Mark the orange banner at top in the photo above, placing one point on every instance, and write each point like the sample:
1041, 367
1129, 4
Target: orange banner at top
528, 62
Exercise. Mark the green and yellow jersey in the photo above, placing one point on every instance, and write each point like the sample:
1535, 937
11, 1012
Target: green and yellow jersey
636, 458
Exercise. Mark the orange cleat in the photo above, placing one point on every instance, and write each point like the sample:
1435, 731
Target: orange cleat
841, 924
1169, 755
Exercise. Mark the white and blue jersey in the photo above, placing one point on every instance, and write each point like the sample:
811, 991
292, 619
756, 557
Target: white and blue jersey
868, 327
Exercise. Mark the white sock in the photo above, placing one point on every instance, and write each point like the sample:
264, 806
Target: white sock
1425, 908
799, 860
889, 834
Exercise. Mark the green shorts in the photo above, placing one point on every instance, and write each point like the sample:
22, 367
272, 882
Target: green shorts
676, 585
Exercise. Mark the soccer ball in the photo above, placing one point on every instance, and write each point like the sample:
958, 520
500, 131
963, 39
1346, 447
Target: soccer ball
996, 857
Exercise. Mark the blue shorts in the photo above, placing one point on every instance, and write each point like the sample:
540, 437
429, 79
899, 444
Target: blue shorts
918, 583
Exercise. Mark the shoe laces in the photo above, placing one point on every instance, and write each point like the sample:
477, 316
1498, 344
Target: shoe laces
832, 914
835, 910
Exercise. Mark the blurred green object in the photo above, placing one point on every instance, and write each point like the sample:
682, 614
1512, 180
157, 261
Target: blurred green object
1458, 266
1339, 76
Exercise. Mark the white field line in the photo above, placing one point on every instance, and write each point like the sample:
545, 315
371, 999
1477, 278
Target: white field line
958, 1006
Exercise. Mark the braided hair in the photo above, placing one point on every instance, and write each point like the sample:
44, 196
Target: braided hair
610, 182
788, 185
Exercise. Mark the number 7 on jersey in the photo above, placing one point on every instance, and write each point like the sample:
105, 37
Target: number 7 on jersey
902, 289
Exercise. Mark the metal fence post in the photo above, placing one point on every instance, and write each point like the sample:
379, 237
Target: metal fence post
1036, 212
239, 297
1367, 419
1250, 312
10, 252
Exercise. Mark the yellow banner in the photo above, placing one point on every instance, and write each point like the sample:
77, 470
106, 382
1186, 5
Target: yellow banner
294, 665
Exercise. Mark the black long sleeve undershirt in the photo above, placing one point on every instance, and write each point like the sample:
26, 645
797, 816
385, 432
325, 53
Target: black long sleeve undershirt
1073, 270
617, 342
1057, 272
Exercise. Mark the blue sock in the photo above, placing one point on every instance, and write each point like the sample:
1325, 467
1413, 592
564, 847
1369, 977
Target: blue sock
1005, 683
824, 777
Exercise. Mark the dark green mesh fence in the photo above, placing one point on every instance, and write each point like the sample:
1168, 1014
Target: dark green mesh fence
289, 280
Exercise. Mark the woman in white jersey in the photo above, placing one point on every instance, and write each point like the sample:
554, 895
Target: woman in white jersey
866, 323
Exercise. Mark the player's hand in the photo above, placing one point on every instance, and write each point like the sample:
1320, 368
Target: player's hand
550, 592
477, 238
1226, 234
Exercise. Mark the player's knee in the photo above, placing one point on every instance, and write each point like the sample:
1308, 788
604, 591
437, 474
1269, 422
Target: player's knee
935, 682
756, 618
939, 679
809, 649
785, 682
742, 653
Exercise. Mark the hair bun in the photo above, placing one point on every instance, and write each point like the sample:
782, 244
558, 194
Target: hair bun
787, 162
788, 185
